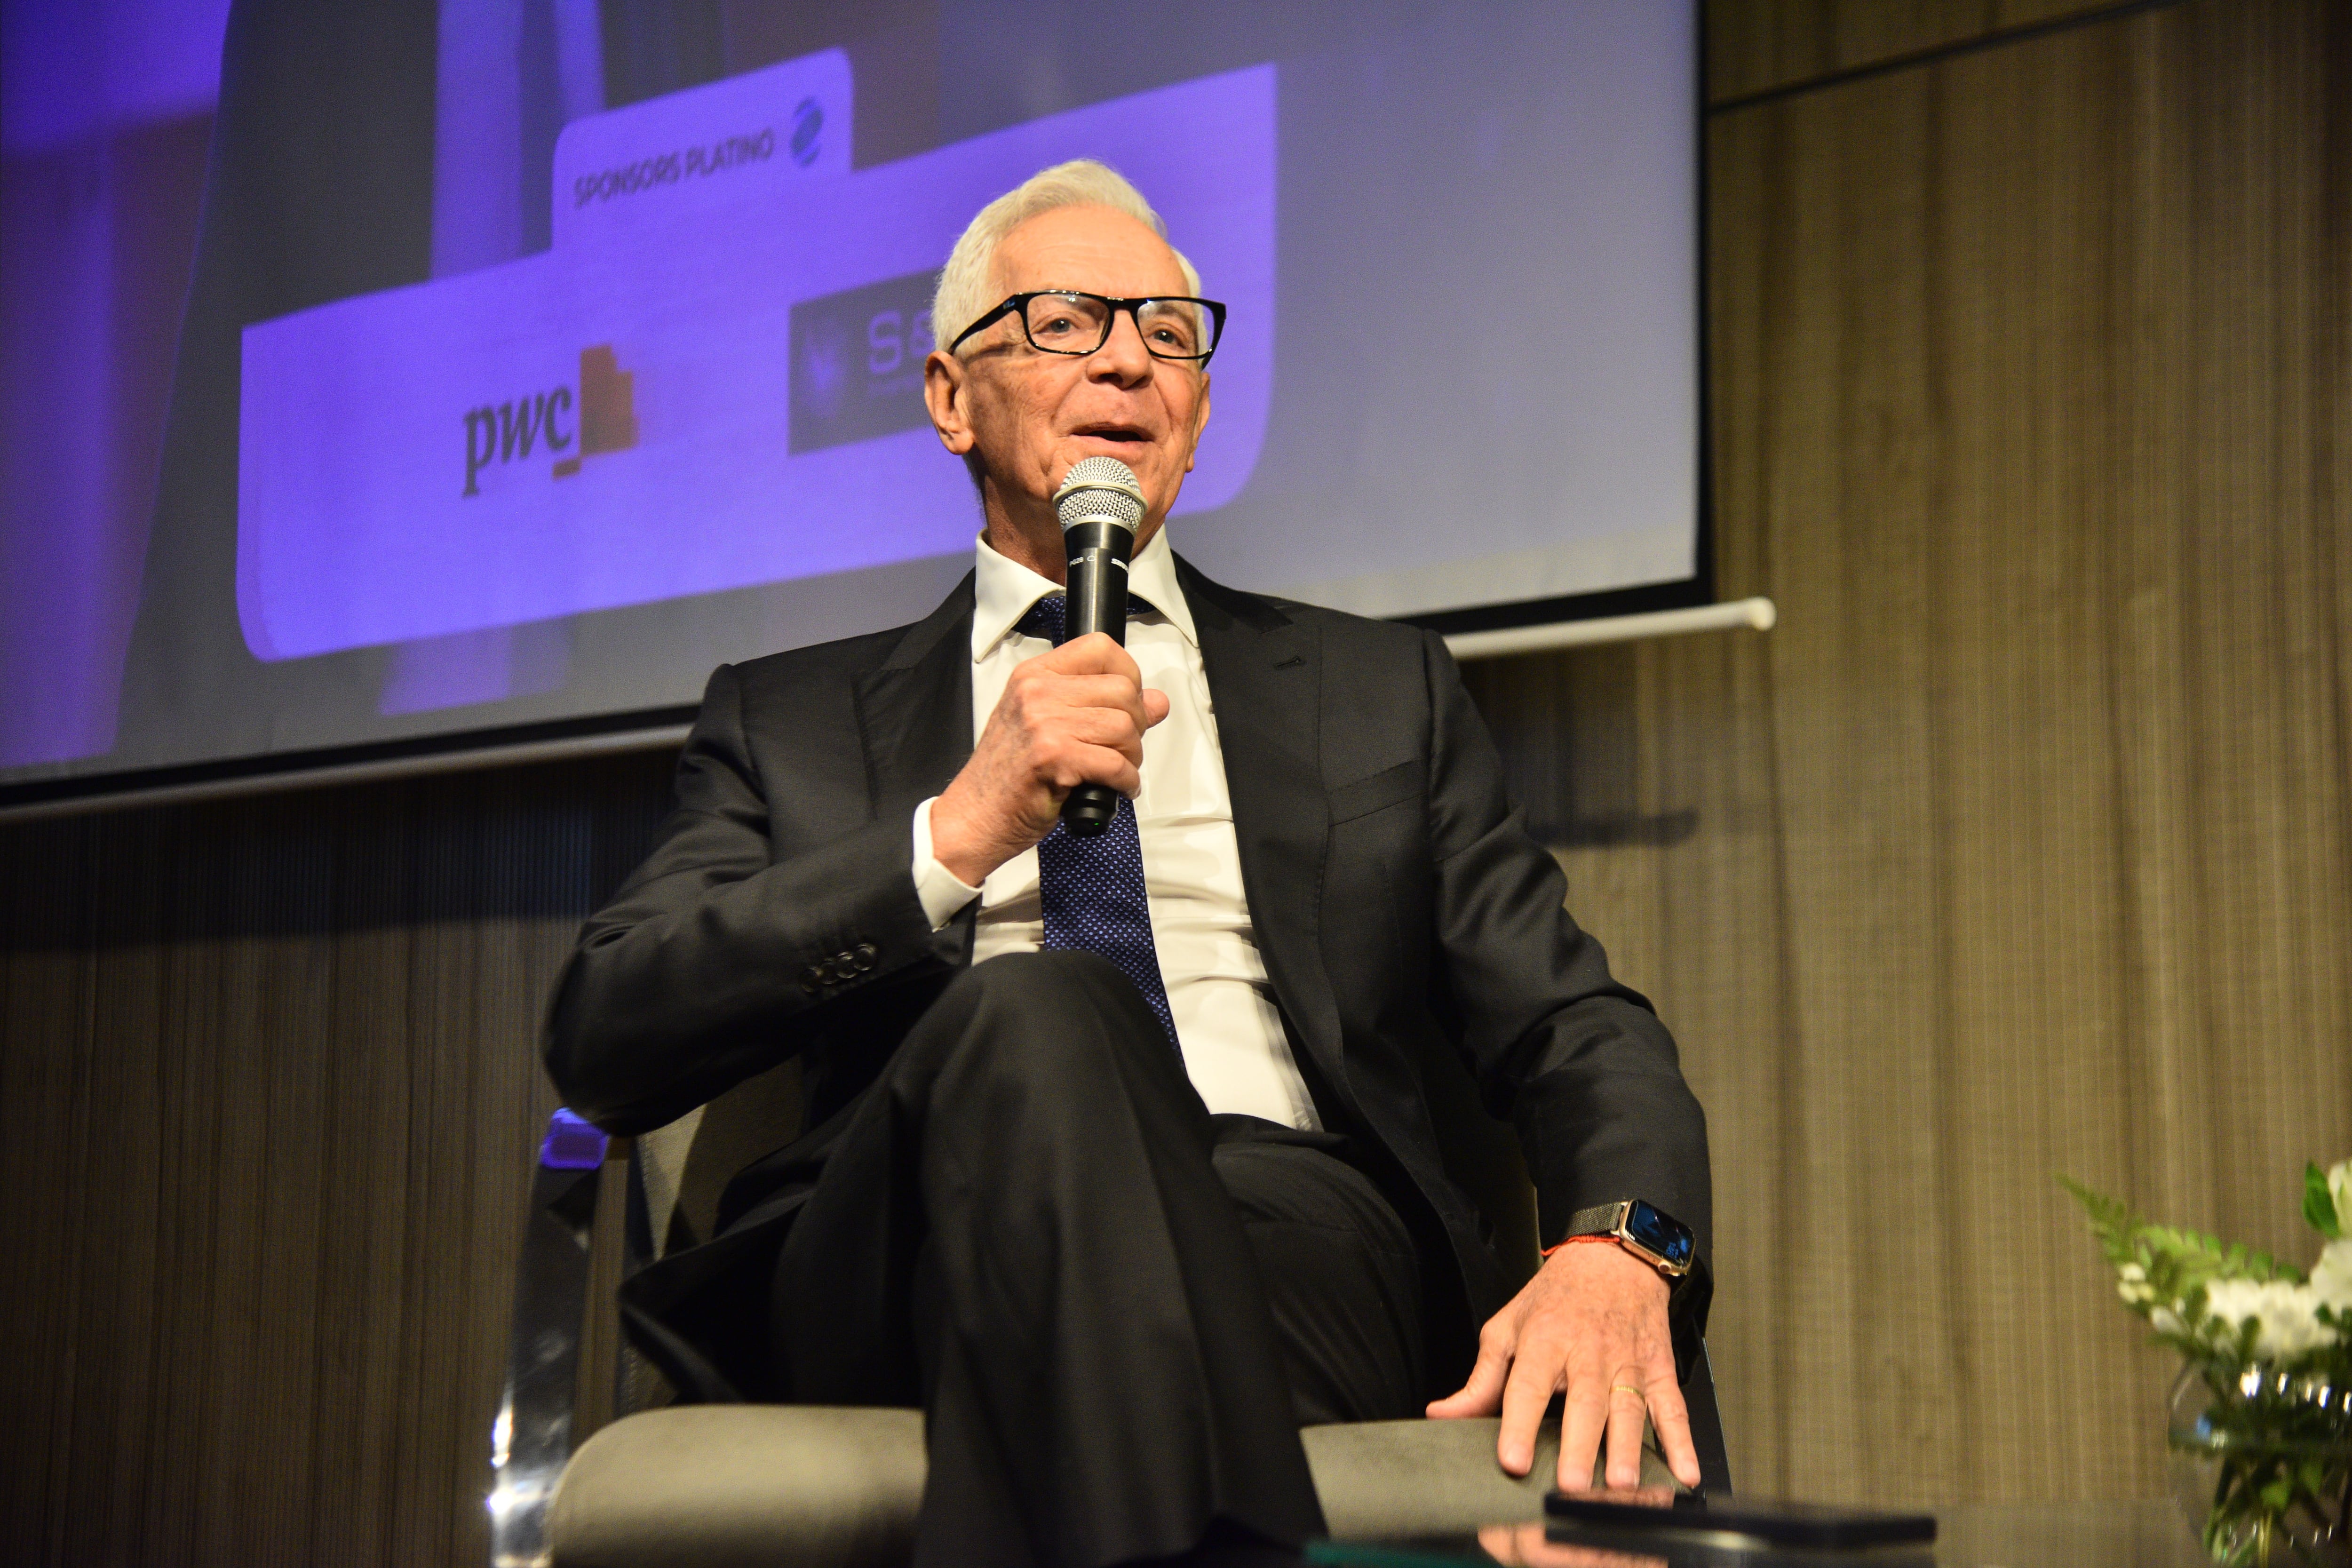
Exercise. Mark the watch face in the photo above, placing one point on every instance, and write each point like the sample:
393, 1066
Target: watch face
1669, 1238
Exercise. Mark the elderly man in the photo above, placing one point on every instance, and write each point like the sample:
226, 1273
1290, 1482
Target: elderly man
1115, 1157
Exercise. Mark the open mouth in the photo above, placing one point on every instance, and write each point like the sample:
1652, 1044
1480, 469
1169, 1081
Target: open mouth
1112, 433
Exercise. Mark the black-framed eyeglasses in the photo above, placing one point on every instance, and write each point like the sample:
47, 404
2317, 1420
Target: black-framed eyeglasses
1064, 322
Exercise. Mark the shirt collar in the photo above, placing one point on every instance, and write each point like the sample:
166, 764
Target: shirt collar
1004, 590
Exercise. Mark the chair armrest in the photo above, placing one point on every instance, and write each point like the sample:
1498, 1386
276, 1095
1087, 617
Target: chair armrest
532, 1439
1706, 1426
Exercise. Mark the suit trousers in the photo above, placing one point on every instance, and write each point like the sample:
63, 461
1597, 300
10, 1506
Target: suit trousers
1115, 1308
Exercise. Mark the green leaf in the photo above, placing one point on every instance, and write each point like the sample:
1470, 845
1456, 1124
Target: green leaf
2272, 1268
2318, 1206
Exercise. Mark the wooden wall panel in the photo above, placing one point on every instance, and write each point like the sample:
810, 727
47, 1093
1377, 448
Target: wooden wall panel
2021, 845
1761, 45
269, 1097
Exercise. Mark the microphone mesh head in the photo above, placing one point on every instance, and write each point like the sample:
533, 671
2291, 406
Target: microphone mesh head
1099, 486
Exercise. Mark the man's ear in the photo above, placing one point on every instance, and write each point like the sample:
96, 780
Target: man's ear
947, 390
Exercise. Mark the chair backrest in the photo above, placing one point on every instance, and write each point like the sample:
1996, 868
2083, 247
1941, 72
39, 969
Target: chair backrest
683, 1167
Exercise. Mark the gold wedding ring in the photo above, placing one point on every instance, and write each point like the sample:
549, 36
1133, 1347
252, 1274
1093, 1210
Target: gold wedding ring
1625, 1388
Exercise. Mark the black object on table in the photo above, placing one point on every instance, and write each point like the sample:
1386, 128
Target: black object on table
1739, 1522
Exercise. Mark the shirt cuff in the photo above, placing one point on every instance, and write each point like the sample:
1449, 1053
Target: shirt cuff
939, 890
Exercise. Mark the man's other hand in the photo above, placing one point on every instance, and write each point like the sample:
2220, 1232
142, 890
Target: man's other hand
1074, 716
1593, 1323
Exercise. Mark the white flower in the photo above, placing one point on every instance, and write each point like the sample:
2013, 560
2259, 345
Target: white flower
2339, 1188
2131, 1284
2331, 1277
2282, 1313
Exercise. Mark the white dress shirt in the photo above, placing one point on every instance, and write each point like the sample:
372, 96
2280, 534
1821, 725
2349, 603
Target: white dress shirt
1218, 994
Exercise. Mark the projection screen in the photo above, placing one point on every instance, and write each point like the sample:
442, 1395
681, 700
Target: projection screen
657, 405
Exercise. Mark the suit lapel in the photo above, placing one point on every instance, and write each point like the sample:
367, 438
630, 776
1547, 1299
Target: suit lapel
914, 710
1264, 673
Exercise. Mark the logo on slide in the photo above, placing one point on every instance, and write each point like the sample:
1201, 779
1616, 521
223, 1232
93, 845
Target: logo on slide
506, 432
857, 362
808, 122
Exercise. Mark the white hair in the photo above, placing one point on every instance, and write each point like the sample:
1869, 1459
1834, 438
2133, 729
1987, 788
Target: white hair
967, 289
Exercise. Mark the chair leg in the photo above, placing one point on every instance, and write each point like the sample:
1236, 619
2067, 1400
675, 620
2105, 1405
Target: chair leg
1706, 1426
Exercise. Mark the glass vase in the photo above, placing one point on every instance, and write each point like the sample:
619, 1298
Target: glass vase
2263, 1465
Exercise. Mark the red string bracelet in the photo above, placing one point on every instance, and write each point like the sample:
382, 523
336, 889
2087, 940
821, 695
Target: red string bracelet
1572, 1240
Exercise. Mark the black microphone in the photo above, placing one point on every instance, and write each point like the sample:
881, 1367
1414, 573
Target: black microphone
1099, 504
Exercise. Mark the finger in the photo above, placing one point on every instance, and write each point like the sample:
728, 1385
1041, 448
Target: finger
1500, 1542
1155, 707
1671, 1419
1112, 727
1054, 737
1093, 699
1582, 1422
1482, 1394
1628, 1409
1090, 689
1093, 654
1525, 1395
1103, 765
1127, 740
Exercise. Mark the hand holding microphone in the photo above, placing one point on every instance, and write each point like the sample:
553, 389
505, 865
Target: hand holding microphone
1069, 720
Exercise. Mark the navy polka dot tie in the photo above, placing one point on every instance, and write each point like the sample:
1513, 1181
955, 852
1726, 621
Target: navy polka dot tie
1092, 888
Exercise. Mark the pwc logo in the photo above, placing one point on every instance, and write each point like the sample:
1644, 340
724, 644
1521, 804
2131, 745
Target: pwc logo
506, 432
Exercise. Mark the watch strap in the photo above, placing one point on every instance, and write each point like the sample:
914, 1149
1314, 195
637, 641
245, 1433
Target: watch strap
1601, 1219
1609, 1222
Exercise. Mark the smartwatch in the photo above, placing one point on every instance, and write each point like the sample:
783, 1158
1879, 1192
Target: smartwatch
1658, 1239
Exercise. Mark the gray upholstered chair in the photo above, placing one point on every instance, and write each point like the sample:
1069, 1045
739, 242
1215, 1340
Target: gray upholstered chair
715, 1486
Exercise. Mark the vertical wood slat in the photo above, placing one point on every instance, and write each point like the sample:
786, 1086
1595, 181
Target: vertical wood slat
2033, 815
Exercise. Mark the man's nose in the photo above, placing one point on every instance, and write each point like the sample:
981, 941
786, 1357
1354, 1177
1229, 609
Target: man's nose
1122, 358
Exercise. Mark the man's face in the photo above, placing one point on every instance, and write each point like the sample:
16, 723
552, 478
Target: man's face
1030, 414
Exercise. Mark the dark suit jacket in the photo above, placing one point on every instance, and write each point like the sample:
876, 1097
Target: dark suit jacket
1403, 912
